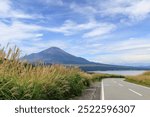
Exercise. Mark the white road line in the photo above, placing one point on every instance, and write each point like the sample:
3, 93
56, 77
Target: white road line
121, 85
135, 92
102, 91
114, 81
135, 84
138, 85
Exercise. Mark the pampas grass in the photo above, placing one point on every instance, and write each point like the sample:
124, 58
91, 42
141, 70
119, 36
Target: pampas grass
143, 79
21, 80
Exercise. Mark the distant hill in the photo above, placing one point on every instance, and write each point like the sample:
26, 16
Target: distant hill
55, 55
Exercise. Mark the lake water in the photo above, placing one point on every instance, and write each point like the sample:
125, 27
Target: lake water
123, 72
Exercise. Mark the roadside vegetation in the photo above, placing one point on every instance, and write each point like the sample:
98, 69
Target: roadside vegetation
23, 81
143, 79
99, 77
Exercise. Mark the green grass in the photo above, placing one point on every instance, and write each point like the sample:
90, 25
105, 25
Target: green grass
99, 77
143, 79
22, 81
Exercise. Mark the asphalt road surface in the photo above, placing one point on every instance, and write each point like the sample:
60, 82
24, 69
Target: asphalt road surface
118, 89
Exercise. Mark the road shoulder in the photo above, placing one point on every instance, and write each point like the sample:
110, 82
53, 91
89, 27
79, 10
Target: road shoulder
91, 93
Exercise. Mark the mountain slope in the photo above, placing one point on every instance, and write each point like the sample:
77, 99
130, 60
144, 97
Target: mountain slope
55, 55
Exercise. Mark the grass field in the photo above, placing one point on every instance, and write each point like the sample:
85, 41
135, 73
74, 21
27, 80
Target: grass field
23, 81
143, 79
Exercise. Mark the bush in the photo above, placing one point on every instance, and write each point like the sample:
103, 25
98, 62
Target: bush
143, 79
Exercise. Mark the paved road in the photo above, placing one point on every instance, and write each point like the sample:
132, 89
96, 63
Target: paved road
118, 89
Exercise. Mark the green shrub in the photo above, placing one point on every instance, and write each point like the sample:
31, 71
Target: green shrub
143, 79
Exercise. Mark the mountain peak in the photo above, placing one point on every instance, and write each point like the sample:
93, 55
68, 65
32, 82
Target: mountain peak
53, 50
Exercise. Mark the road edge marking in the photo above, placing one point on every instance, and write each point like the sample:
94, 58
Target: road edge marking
135, 92
102, 91
145, 87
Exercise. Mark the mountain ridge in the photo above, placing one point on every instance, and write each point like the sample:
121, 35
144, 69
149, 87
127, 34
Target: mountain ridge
55, 55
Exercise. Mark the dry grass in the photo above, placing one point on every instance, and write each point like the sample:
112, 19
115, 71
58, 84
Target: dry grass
20, 80
143, 79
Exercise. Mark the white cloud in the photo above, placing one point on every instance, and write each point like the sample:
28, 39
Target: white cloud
4, 6
124, 59
52, 2
83, 9
39, 35
122, 51
134, 9
91, 29
22, 34
100, 30
128, 45
127, 10
6, 11
39, 45
18, 31
127, 52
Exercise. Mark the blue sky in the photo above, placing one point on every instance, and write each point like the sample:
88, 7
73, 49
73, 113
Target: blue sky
107, 31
